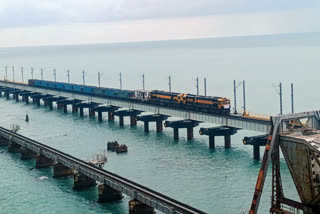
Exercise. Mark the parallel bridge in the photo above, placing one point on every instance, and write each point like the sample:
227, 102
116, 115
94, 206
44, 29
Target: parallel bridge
139, 192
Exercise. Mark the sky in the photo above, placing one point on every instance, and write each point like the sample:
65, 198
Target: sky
61, 22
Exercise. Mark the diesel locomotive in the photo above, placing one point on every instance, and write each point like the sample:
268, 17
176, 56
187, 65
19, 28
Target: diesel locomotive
206, 104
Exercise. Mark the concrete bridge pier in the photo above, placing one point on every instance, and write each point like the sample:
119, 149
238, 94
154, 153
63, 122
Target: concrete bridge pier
133, 120
225, 131
7, 95
27, 154
108, 194
43, 162
92, 113
100, 116
176, 125
23, 98
81, 112
121, 121
59, 170
13, 147
159, 126
82, 182
74, 108
146, 126
132, 113
3, 141
27, 99
65, 108
158, 118
0, 93
256, 142
110, 115
137, 207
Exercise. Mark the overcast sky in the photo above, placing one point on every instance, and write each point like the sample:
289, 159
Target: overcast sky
51, 22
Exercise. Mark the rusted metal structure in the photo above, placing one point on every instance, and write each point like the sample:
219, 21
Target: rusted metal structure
300, 146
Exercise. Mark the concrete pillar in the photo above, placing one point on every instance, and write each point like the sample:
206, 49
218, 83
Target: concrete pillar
108, 194
133, 120
100, 116
159, 126
27, 154
38, 102
82, 182
65, 108
176, 133
81, 112
146, 126
190, 133
121, 120
227, 142
13, 147
60, 170
58, 106
110, 115
17, 97
43, 162
27, 99
91, 112
7, 95
3, 141
50, 103
256, 152
74, 109
212, 142
137, 207
0, 93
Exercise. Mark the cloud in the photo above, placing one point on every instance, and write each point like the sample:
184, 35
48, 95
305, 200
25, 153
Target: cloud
19, 13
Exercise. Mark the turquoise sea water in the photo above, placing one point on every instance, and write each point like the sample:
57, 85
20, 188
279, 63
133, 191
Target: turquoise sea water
219, 181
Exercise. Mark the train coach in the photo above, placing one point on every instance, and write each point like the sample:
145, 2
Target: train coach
206, 104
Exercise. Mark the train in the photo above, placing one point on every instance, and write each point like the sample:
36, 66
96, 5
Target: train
206, 104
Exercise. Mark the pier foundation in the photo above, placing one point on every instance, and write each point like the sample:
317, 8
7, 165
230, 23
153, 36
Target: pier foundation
227, 141
146, 126
256, 152
13, 147
137, 207
43, 162
110, 115
100, 116
92, 113
108, 194
176, 133
133, 120
81, 112
121, 120
27, 154
225, 131
74, 108
159, 126
65, 108
212, 142
3, 141
59, 170
27, 99
82, 182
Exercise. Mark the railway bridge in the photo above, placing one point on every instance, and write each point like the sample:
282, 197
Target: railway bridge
132, 108
111, 185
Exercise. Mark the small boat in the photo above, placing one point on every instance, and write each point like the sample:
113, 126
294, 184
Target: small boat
122, 148
112, 145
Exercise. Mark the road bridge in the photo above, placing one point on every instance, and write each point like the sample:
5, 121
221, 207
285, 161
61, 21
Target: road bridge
112, 182
236, 121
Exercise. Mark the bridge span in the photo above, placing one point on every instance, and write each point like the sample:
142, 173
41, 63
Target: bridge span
116, 183
236, 121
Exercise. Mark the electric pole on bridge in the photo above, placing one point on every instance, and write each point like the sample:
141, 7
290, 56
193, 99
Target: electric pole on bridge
169, 83
83, 78
292, 101
6, 68
244, 97
143, 86
120, 75
205, 86
235, 86
99, 78
280, 94
22, 74
31, 72
13, 73
197, 85
55, 75
41, 73
68, 75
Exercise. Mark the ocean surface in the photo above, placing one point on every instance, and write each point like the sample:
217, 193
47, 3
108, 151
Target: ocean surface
215, 181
